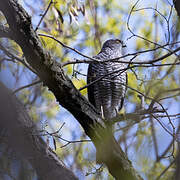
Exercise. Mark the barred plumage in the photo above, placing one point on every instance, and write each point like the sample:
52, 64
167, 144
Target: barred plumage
108, 91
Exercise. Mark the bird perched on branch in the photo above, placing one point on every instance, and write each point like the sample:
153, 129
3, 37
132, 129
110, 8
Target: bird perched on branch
107, 80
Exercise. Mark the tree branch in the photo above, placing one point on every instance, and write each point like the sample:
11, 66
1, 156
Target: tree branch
114, 59
66, 94
14, 57
5, 32
177, 6
22, 137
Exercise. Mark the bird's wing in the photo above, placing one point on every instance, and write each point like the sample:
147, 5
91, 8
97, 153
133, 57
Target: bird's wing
90, 88
118, 86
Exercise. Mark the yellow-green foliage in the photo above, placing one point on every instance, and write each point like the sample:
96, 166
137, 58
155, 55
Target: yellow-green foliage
79, 84
85, 30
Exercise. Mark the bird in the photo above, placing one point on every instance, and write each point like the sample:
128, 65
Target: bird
107, 80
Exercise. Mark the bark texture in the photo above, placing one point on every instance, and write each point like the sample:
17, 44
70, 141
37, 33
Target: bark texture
177, 6
22, 136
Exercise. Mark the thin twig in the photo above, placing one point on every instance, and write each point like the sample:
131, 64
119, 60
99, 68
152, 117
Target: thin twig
163, 155
138, 36
109, 60
72, 142
162, 125
105, 75
153, 132
141, 116
55, 134
68, 47
12, 56
26, 86
165, 170
43, 15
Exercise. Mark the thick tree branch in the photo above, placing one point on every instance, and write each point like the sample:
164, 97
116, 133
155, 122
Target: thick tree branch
22, 137
177, 6
177, 174
66, 94
5, 31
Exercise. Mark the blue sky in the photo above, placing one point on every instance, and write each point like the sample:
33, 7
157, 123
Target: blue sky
71, 123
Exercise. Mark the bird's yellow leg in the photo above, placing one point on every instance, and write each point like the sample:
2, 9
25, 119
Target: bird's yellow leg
102, 112
116, 111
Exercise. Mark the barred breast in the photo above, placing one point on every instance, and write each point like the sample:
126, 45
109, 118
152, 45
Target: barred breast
107, 85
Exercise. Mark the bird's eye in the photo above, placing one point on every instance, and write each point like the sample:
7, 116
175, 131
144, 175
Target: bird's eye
118, 41
121, 42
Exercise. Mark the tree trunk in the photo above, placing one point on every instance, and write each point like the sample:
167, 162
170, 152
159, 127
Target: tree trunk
22, 137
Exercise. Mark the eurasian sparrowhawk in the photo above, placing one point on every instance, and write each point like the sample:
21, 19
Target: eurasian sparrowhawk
107, 80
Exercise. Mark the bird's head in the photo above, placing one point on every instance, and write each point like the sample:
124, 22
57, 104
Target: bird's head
113, 44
